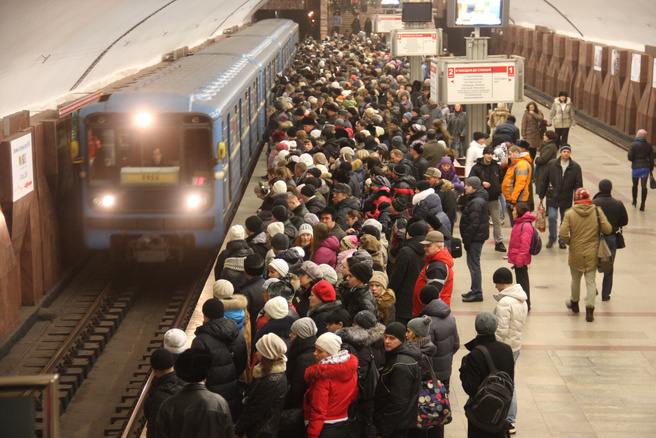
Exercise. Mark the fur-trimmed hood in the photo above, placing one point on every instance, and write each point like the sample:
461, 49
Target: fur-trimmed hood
359, 337
235, 302
342, 371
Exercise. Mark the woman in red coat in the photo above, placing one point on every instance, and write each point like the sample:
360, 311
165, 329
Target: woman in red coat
519, 247
332, 387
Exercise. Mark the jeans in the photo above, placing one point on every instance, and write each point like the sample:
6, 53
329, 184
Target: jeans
563, 135
591, 287
496, 220
607, 283
552, 213
474, 250
521, 275
502, 210
512, 412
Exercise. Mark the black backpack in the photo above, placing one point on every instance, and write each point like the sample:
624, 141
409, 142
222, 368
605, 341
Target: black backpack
488, 408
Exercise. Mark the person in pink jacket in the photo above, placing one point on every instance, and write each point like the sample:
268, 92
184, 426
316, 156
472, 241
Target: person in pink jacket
519, 247
325, 246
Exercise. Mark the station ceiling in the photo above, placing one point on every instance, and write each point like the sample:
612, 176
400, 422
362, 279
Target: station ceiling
57, 49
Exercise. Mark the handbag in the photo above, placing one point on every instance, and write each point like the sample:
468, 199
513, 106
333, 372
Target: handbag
619, 239
541, 221
604, 256
433, 406
652, 181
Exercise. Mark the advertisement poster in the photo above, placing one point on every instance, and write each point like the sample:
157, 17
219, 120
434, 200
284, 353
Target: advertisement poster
615, 63
635, 67
598, 53
478, 13
22, 173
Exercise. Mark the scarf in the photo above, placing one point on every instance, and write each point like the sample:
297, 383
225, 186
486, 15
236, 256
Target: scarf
278, 366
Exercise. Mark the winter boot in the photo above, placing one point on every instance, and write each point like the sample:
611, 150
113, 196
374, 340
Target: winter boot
475, 297
643, 199
589, 314
634, 195
572, 305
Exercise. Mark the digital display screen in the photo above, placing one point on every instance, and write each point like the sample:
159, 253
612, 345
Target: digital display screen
478, 13
417, 12
390, 2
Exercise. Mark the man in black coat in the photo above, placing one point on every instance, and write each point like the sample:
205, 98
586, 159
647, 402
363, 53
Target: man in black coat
253, 286
641, 156
313, 202
474, 369
165, 384
419, 162
194, 411
474, 230
221, 339
404, 273
354, 290
617, 216
490, 174
507, 131
343, 202
560, 180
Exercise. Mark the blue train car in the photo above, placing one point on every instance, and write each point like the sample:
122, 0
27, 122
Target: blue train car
166, 158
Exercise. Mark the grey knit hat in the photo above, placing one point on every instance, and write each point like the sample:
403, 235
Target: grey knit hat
304, 328
486, 323
419, 326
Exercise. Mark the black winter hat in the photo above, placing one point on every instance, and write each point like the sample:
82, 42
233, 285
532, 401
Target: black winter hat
365, 319
418, 228
361, 271
280, 213
213, 308
308, 190
254, 265
371, 230
396, 329
502, 276
429, 293
254, 224
280, 242
193, 366
423, 185
162, 359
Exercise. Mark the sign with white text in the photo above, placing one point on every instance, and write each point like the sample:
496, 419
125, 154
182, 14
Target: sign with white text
481, 82
22, 171
388, 23
421, 42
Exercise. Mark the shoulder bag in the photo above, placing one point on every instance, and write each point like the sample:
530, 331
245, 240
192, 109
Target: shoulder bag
604, 256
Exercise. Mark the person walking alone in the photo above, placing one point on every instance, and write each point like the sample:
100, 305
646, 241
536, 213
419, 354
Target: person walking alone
562, 116
641, 156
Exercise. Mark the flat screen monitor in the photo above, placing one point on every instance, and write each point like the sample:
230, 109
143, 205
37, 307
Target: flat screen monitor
390, 2
477, 13
416, 12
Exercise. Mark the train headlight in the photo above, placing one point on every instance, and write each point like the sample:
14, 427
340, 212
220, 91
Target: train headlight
195, 201
144, 119
106, 201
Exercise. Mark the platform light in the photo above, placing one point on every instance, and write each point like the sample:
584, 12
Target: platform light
106, 201
144, 119
194, 201
310, 14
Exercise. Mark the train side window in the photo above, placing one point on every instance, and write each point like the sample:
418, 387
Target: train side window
245, 114
198, 155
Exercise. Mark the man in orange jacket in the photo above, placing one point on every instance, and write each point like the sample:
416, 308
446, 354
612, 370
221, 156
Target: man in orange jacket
516, 184
438, 270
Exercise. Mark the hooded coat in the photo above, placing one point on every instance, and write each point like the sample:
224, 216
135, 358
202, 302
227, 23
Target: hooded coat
397, 391
299, 357
437, 270
519, 246
511, 312
408, 265
327, 252
581, 231
236, 309
474, 221
562, 118
444, 334
426, 203
516, 185
357, 298
221, 339
230, 263
253, 290
531, 123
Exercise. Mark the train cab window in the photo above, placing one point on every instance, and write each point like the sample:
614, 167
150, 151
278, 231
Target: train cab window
198, 156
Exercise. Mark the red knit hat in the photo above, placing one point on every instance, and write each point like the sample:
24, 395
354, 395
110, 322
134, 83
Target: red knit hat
324, 291
581, 193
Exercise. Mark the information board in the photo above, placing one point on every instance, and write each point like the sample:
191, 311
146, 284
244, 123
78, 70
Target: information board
434, 81
481, 83
388, 23
422, 42
22, 171
636, 59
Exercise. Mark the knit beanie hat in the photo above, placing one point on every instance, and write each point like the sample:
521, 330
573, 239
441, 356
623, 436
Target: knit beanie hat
371, 230
502, 276
328, 273
581, 194
277, 308
275, 228
474, 182
305, 229
429, 293
236, 232
280, 213
324, 291
279, 187
379, 277
374, 223
192, 366
418, 228
254, 224
280, 242
175, 340
254, 264
361, 271
222, 289
304, 328
311, 269
486, 323
396, 329
271, 347
213, 308
365, 319
329, 342
162, 359
420, 326
308, 190
280, 266
311, 218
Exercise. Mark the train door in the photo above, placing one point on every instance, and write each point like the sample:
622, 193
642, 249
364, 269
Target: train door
252, 120
245, 136
227, 182
235, 145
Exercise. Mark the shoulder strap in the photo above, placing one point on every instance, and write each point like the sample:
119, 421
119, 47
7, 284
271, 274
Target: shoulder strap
490, 363
598, 221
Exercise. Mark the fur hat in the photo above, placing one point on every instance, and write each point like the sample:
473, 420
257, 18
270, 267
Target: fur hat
193, 366
365, 319
277, 308
222, 289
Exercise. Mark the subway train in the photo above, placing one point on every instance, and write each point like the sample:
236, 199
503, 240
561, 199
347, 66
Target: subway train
167, 157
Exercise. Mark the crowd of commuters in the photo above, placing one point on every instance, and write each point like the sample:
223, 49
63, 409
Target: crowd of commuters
331, 307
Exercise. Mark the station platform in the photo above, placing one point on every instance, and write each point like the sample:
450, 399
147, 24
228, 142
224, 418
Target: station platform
574, 379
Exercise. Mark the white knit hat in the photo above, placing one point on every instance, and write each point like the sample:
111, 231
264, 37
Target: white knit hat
277, 308
268, 282
329, 342
374, 223
315, 133
305, 229
222, 289
304, 328
175, 340
275, 228
271, 347
236, 232
279, 186
280, 266
307, 160
329, 273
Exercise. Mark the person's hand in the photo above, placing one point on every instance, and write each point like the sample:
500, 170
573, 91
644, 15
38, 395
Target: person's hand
486, 184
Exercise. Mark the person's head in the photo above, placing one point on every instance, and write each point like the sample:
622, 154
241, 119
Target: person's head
254, 225
278, 268
157, 156
511, 119
473, 184
303, 328
353, 217
433, 243
192, 366
488, 154
175, 340
502, 279
565, 152
270, 348
309, 273
394, 336
641, 134
485, 324
327, 217
162, 361
337, 319
550, 136
222, 289
277, 307
457, 107
562, 96
308, 191
327, 345
418, 328
212, 309
429, 293
359, 273
514, 152
520, 209
305, 235
378, 283
605, 186
365, 319
433, 176
396, 156
480, 137
292, 201
322, 292
532, 106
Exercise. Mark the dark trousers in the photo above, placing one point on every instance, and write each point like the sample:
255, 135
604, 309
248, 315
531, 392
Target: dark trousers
436, 432
336, 430
607, 283
521, 275
474, 250
643, 193
563, 135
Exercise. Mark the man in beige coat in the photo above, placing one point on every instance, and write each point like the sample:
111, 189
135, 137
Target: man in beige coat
581, 227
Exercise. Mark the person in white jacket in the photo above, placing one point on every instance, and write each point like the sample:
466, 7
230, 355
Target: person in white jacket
511, 312
475, 150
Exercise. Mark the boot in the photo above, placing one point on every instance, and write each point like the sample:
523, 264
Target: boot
634, 194
572, 305
474, 298
589, 314
643, 199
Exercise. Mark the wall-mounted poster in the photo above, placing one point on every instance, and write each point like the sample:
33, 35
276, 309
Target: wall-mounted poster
598, 53
22, 172
615, 62
635, 67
